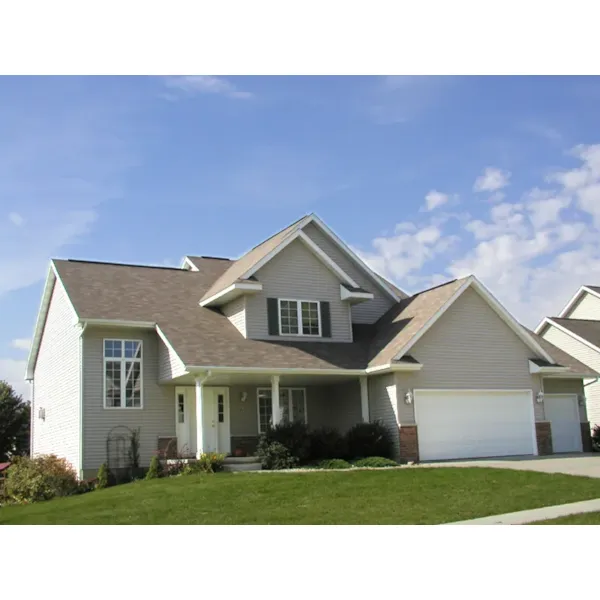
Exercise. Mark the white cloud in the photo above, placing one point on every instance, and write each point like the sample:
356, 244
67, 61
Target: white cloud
21, 344
16, 219
13, 372
205, 84
546, 211
506, 218
434, 199
491, 180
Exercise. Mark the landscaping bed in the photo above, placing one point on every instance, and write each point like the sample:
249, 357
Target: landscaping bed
355, 496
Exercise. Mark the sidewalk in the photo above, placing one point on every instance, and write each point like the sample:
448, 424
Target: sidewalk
537, 514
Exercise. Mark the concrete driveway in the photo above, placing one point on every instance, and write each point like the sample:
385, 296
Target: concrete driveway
586, 465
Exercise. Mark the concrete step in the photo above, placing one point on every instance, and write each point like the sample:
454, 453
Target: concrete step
240, 460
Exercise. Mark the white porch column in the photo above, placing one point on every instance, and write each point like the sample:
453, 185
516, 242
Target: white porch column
275, 399
199, 415
364, 398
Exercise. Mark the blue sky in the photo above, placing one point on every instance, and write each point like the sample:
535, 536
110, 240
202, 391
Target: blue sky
427, 178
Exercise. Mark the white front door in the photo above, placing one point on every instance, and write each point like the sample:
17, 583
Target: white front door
474, 423
562, 410
217, 434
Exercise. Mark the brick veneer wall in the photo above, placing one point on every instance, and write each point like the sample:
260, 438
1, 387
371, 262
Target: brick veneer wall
409, 443
543, 434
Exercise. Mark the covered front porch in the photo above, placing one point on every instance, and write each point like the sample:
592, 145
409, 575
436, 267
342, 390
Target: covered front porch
227, 412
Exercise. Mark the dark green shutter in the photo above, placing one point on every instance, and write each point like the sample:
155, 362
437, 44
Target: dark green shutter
272, 316
325, 320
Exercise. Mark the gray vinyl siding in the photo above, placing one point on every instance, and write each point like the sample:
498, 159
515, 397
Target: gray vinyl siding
296, 273
469, 347
344, 405
567, 386
235, 311
155, 419
588, 307
383, 406
587, 356
56, 383
365, 312
169, 364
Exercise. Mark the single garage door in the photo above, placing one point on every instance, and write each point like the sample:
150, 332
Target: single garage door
563, 413
474, 423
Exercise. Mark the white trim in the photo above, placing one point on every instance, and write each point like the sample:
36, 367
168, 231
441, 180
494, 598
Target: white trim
353, 256
290, 411
168, 344
300, 235
275, 371
472, 281
528, 391
123, 359
575, 298
536, 369
299, 316
346, 294
81, 371
187, 261
389, 367
231, 292
119, 323
364, 398
573, 335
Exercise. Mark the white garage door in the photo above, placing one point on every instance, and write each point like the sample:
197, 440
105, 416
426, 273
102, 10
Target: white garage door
563, 413
474, 424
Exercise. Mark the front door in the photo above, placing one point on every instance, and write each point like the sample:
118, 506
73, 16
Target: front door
217, 434
185, 421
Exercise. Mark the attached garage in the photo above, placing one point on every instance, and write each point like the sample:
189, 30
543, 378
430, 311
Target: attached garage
562, 410
474, 423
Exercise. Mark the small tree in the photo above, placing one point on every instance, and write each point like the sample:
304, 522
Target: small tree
15, 417
155, 470
102, 476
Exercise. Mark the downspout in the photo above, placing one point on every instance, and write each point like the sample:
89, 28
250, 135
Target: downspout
31, 416
83, 328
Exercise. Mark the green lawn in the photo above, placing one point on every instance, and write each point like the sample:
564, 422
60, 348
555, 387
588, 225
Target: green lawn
398, 496
592, 518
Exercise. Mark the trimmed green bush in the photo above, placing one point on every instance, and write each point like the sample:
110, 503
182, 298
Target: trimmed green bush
369, 439
155, 470
102, 477
334, 463
596, 438
209, 462
274, 455
40, 478
327, 442
375, 462
293, 436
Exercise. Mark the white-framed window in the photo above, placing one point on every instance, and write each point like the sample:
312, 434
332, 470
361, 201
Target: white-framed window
292, 404
299, 317
123, 374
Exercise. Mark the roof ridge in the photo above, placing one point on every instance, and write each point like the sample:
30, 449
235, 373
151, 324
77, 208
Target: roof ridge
117, 264
435, 287
572, 319
276, 233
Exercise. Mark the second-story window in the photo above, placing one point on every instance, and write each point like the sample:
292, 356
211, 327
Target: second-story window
299, 317
122, 374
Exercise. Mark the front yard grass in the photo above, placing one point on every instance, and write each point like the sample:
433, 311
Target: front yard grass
591, 518
396, 496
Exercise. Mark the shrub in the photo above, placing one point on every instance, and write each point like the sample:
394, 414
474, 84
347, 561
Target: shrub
596, 438
334, 463
155, 470
87, 485
274, 455
375, 462
40, 478
369, 439
293, 436
102, 476
325, 443
209, 462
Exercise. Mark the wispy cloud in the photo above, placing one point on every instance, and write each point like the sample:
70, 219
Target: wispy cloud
546, 132
16, 219
21, 344
492, 180
192, 85
435, 199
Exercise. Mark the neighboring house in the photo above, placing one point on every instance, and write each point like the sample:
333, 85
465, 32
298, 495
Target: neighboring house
205, 356
576, 330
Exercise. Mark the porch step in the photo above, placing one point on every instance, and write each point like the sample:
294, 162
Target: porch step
241, 463
240, 460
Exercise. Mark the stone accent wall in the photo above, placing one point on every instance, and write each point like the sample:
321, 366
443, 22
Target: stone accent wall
586, 437
543, 434
246, 442
409, 443
167, 447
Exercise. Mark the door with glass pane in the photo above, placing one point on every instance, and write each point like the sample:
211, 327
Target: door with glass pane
217, 436
183, 420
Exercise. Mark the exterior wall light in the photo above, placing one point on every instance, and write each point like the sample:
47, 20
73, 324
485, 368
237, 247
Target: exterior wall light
244, 396
408, 397
540, 397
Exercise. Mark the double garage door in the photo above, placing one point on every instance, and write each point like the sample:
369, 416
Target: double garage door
474, 424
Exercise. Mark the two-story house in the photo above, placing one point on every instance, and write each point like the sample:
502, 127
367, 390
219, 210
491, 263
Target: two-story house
205, 356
